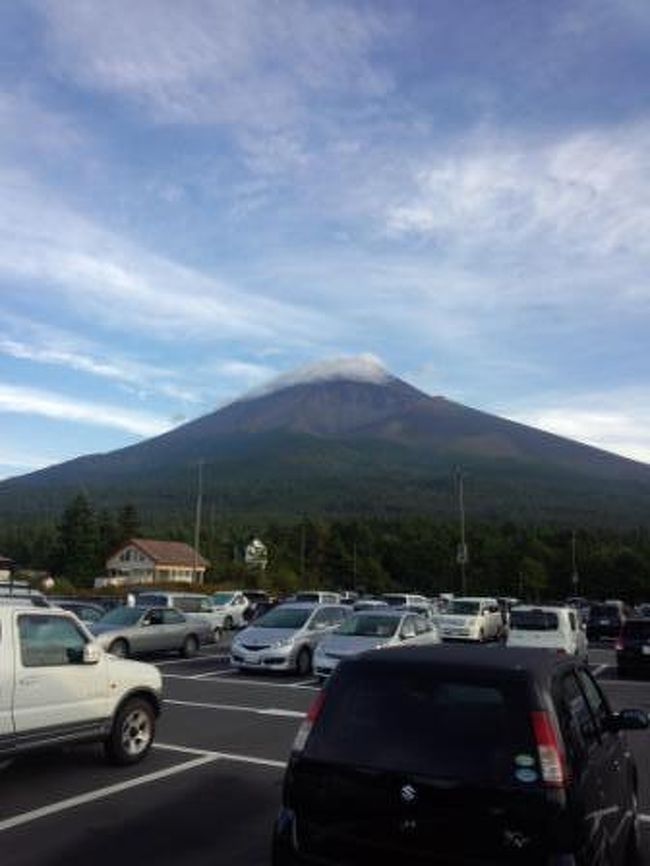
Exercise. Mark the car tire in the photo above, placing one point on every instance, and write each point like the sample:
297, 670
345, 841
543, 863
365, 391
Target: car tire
228, 623
119, 648
132, 733
190, 646
303, 662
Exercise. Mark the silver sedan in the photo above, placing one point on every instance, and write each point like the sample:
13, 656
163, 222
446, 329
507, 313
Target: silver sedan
369, 630
126, 631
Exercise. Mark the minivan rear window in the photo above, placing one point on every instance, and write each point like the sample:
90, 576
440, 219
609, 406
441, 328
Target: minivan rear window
534, 620
450, 728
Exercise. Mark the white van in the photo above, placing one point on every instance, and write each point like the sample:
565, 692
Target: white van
475, 619
233, 604
193, 604
547, 627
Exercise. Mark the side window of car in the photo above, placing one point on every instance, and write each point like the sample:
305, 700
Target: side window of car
595, 698
172, 617
337, 615
573, 621
576, 720
46, 641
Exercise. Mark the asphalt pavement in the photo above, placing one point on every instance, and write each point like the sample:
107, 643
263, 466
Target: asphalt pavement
209, 790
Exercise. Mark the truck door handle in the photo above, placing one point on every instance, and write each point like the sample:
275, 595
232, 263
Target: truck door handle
28, 681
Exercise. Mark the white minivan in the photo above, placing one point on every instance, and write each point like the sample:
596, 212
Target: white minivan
547, 627
475, 619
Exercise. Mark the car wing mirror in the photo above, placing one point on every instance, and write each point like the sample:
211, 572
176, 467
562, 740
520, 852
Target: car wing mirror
629, 720
92, 653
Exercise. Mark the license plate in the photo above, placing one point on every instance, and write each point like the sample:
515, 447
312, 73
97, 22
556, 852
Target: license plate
604, 622
252, 660
645, 650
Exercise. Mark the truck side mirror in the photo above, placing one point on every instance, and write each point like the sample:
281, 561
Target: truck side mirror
91, 654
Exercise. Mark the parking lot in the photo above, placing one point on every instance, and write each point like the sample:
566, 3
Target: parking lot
209, 790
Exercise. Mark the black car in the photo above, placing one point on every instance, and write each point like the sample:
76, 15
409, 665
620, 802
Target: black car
85, 610
461, 755
605, 621
633, 648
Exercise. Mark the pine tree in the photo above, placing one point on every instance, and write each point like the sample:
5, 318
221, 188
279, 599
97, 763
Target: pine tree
79, 554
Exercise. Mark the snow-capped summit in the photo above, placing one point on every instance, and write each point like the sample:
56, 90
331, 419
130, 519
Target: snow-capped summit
359, 368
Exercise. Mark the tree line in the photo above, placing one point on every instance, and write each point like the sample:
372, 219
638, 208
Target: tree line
369, 554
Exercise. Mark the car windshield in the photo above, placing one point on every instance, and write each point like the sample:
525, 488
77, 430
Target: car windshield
289, 617
121, 616
534, 620
463, 608
370, 625
222, 597
415, 722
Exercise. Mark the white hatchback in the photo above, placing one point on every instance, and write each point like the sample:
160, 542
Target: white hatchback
547, 627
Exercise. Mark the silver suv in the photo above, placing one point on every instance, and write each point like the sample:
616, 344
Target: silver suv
285, 638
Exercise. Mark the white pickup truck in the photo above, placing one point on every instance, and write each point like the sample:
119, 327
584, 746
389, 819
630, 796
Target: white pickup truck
58, 687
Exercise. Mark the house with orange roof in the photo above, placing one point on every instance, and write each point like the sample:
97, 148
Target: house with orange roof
148, 560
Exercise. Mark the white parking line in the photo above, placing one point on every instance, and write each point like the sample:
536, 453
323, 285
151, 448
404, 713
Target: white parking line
270, 711
597, 671
227, 673
225, 756
197, 658
108, 791
240, 682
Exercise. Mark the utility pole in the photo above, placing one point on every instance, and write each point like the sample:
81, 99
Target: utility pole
575, 577
197, 521
462, 552
303, 547
354, 565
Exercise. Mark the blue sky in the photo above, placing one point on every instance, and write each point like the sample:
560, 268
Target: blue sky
198, 196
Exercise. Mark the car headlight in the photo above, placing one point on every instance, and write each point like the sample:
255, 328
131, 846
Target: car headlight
284, 642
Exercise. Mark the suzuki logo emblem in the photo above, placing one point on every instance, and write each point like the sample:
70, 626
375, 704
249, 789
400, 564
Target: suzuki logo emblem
408, 794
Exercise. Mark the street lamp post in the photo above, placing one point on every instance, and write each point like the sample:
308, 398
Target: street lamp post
462, 554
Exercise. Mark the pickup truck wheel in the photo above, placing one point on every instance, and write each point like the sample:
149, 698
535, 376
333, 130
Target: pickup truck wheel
119, 648
132, 732
190, 646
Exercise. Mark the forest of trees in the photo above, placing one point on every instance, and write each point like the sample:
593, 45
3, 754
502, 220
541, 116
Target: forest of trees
370, 554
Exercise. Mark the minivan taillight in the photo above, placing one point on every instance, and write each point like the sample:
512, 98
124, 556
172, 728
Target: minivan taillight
305, 728
552, 760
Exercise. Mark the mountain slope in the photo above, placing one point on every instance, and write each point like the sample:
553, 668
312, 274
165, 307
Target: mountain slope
346, 445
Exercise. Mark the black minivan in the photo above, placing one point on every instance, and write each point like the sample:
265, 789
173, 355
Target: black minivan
461, 755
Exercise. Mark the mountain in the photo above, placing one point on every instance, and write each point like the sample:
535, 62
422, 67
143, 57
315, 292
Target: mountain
343, 439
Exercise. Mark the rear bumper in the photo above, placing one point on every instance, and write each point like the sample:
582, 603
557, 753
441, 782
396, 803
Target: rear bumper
285, 853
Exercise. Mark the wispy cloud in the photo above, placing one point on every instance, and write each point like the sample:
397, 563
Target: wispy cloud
122, 286
617, 421
215, 62
44, 344
31, 401
588, 191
